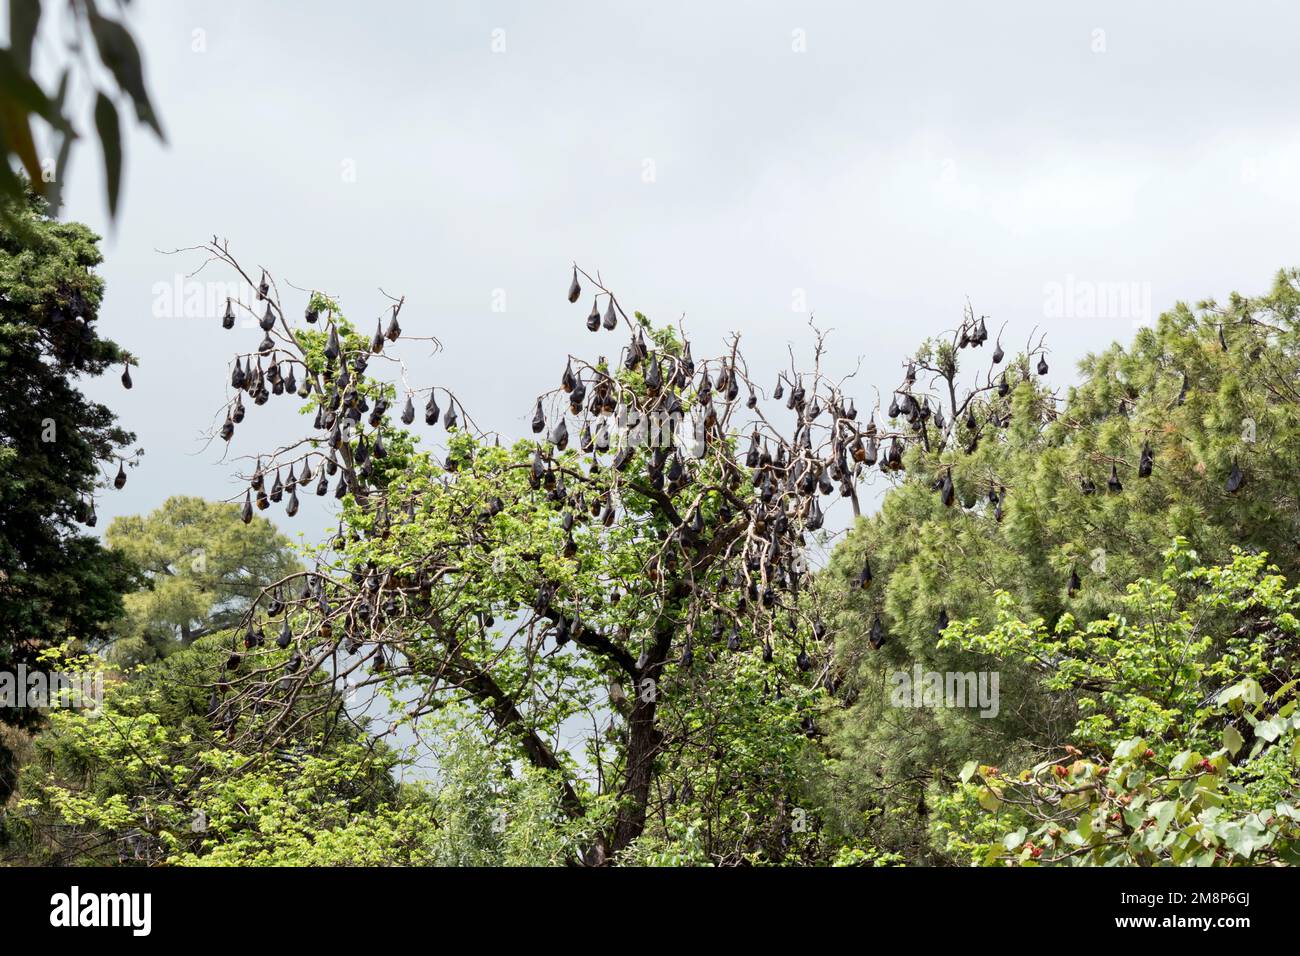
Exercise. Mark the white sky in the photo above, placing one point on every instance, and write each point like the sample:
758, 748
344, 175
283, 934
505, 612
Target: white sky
912, 155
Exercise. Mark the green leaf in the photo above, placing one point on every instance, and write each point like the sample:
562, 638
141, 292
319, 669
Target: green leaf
1268, 730
110, 139
22, 90
24, 19
1162, 811
1128, 748
968, 771
118, 51
1232, 739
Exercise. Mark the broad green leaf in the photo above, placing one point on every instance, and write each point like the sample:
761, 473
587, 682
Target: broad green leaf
24, 20
118, 51
1232, 739
110, 140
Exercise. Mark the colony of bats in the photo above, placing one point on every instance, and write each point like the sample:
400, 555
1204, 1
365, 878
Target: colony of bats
742, 481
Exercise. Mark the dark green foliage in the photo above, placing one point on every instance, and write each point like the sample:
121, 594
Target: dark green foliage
56, 446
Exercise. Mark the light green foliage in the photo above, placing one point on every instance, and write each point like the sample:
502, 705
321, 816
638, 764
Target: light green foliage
1187, 747
150, 779
737, 757
492, 813
571, 604
153, 777
1239, 361
202, 568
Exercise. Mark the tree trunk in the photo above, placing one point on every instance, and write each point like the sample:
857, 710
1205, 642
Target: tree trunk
8, 777
644, 737
643, 745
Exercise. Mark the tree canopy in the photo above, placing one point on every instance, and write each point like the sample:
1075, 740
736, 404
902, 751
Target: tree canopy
56, 447
615, 642
202, 569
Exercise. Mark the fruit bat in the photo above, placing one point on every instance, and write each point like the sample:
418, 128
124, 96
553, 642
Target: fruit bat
610, 320
946, 491
863, 580
126, 376
635, 352
575, 289
408, 411
247, 513
120, 480
1072, 586
1042, 365
1235, 479
652, 376
449, 420
998, 354
1113, 483
228, 320
539, 419
431, 411
394, 330
268, 319
263, 287
876, 637
814, 519
1144, 465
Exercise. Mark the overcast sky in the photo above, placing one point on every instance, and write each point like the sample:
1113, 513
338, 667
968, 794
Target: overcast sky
728, 162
